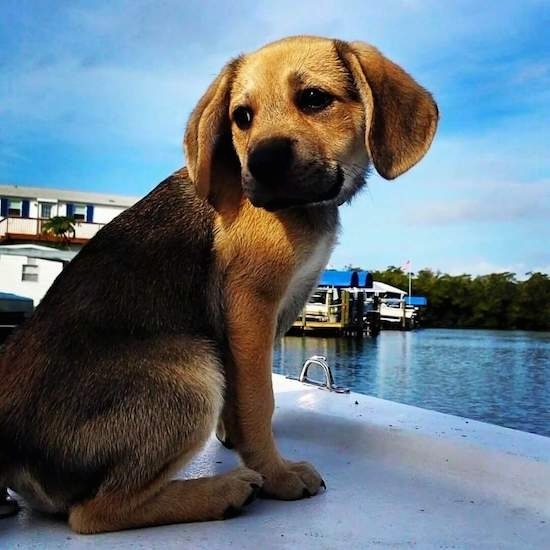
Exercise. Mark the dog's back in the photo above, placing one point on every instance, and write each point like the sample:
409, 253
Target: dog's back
132, 266
145, 278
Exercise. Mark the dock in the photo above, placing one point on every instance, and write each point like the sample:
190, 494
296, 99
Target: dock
351, 303
344, 312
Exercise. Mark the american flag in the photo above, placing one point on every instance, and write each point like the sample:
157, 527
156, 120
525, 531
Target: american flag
406, 267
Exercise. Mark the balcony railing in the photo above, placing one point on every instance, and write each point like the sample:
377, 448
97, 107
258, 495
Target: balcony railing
15, 228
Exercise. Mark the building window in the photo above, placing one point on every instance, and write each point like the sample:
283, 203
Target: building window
15, 208
79, 213
45, 210
29, 271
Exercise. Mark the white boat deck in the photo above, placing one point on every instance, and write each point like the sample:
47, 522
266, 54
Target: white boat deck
397, 477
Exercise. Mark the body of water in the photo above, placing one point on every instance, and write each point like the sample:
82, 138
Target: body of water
500, 377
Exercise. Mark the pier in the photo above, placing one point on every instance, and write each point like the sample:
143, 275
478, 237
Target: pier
343, 312
350, 303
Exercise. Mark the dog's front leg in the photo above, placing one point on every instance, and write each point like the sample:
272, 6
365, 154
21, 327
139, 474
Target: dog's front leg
250, 401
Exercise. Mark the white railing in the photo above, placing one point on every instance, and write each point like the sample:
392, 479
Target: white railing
34, 227
85, 230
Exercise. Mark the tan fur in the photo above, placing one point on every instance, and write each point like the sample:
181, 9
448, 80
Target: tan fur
403, 115
386, 129
261, 264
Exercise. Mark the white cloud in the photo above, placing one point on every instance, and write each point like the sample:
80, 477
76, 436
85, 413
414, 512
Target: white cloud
486, 267
538, 71
125, 74
492, 202
89, 104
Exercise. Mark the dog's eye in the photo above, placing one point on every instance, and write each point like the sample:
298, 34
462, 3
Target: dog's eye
314, 99
243, 117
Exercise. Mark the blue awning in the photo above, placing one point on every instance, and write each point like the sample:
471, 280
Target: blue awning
416, 300
12, 302
346, 279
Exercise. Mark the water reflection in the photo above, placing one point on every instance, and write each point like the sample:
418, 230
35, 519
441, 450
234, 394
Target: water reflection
497, 377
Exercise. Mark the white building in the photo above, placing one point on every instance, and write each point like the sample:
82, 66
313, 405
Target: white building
27, 268
23, 211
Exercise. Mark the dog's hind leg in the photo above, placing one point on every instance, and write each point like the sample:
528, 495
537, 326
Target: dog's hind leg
178, 501
163, 419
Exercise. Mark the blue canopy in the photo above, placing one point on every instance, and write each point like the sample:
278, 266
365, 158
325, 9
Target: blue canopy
12, 302
345, 279
416, 301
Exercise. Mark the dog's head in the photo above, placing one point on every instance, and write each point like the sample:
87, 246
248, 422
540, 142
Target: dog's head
299, 121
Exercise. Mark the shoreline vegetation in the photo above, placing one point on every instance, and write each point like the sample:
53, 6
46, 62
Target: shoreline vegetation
495, 301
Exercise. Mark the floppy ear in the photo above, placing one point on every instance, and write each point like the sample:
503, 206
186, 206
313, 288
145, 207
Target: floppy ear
208, 143
401, 115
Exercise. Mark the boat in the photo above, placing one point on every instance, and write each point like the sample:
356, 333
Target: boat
397, 476
14, 311
395, 313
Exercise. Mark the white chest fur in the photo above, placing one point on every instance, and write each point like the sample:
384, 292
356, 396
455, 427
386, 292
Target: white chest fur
304, 279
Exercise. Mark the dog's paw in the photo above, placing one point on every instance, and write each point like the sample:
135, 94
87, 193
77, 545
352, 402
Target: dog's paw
238, 488
296, 480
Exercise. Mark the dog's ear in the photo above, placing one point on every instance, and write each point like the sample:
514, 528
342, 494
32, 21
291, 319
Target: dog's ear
208, 143
401, 116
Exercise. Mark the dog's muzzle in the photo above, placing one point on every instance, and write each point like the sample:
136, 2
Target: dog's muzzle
276, 179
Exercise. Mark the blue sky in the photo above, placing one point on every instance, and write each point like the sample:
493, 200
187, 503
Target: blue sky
96, 95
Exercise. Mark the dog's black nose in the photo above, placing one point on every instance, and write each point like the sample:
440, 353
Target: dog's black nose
270, 159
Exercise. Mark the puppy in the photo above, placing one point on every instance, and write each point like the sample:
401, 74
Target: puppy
165, 321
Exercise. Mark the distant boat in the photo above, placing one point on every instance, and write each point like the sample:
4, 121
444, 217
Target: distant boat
14, 310
352, 301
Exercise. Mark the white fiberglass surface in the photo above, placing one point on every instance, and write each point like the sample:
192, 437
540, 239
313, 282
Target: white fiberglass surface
396, 476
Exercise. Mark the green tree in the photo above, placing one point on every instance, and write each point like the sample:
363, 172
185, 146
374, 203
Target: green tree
533, 303
495, 301
61, 227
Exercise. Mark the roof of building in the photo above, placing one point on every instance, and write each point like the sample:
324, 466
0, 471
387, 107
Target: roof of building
356, 279
66, 195
334, 277
37, 251
378, 286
